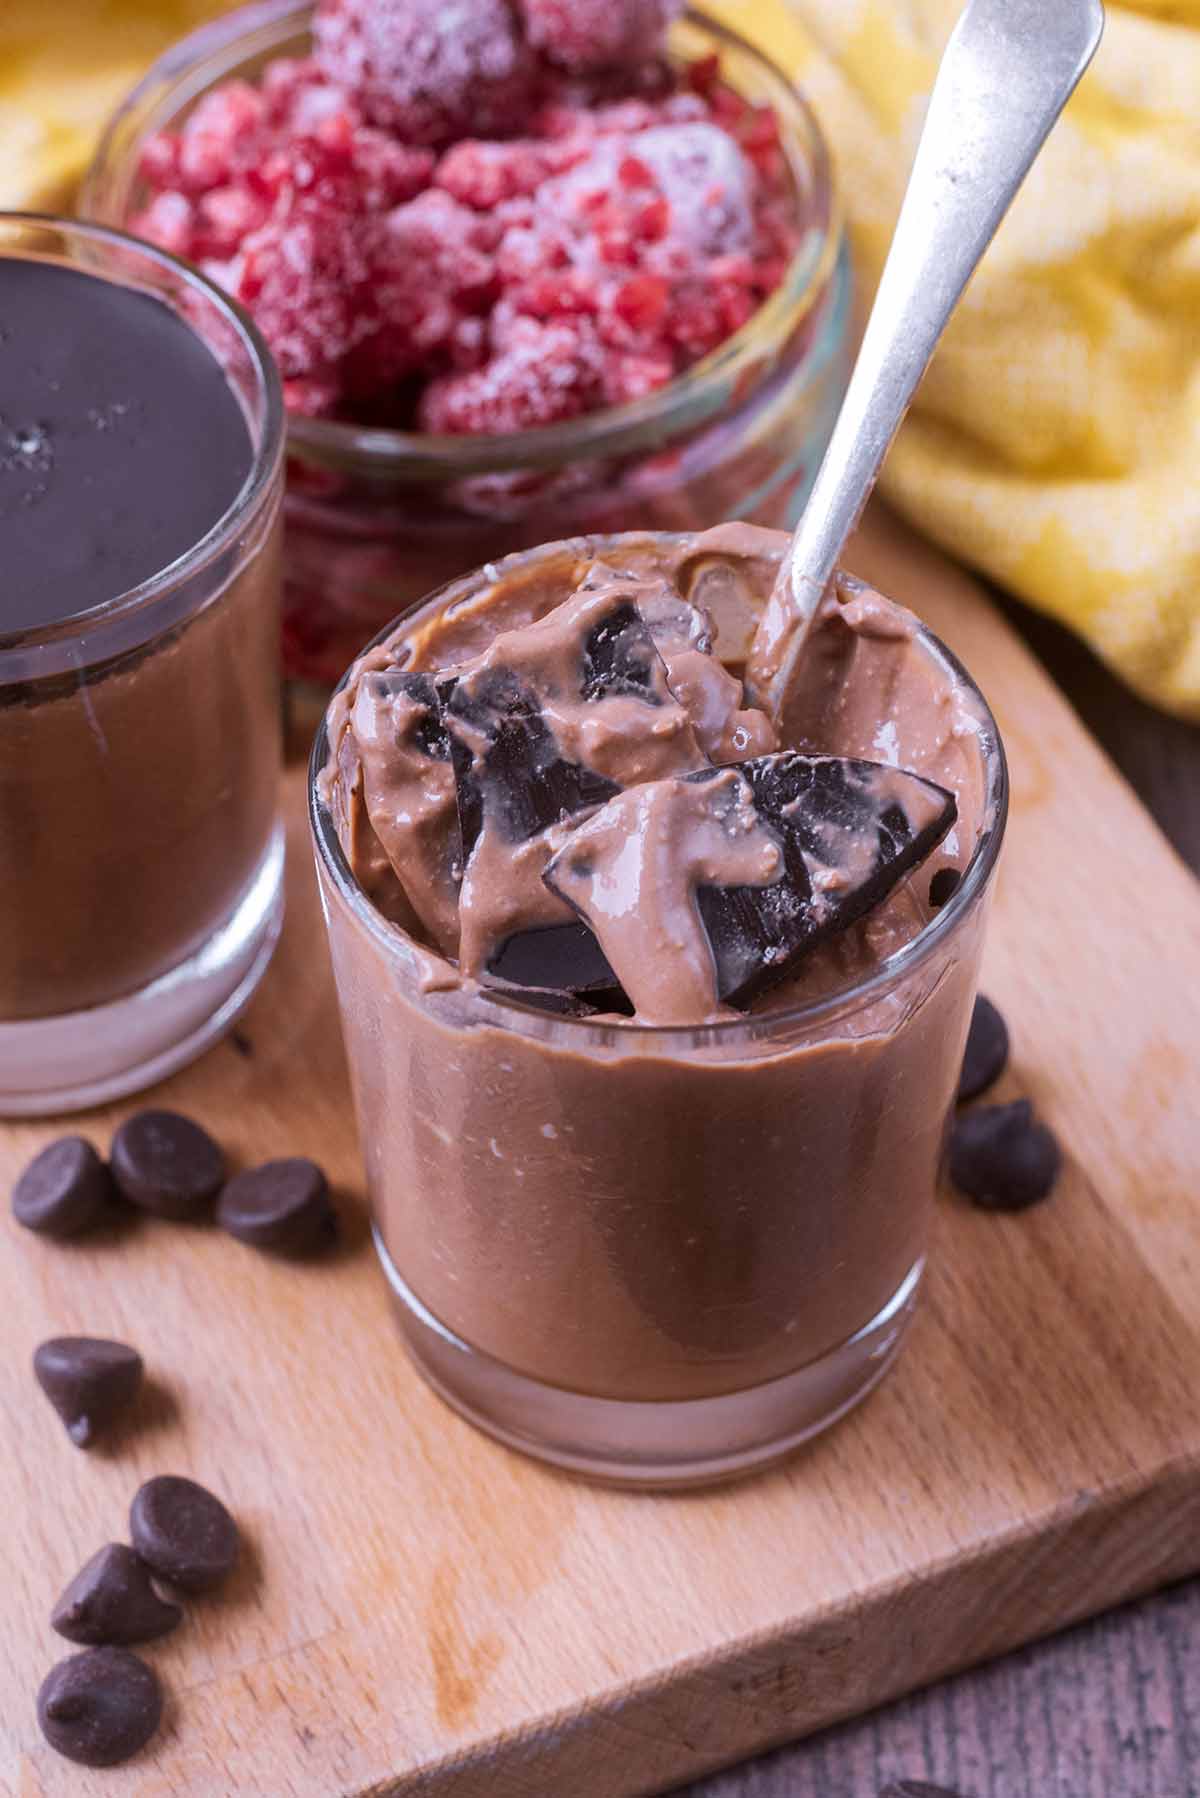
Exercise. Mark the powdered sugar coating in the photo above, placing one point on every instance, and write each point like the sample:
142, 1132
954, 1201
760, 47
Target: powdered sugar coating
428, 70
496, 285
584, 35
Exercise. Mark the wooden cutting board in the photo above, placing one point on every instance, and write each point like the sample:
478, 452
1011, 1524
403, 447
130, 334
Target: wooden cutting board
420, 1611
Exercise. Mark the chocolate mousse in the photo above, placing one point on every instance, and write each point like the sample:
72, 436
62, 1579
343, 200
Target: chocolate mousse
138, 732
691, 1147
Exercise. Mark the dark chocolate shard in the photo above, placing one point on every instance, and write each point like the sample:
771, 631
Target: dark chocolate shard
427, 731
619, 657
507, 762
849, 831
563, 956
539, 998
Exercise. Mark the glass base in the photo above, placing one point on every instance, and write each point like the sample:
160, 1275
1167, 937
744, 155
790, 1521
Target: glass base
82, 1058
662, 1445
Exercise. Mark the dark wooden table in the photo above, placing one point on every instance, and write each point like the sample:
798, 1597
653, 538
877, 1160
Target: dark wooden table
1111, 1709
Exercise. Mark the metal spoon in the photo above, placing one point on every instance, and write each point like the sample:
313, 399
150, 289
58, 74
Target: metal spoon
1009, 69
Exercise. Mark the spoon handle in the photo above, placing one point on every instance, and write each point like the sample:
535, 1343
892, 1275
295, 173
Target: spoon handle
1009, 69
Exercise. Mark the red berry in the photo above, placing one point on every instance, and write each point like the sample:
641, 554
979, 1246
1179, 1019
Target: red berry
581, 35
425, 69
552, 372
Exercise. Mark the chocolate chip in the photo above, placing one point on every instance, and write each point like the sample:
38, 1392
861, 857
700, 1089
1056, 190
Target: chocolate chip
64, 1190
99, 1707
88, 1380
1002, 1158
112, 1599
986, 1054
943, 887
167, 1164
183, 1532
282, 1205
916, 1788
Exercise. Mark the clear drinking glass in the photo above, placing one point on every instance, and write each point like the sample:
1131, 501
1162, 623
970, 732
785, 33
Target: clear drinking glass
656, 1256
378, 518
141, 848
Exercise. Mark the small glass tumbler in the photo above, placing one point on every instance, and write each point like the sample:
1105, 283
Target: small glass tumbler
141, 847
655, 1256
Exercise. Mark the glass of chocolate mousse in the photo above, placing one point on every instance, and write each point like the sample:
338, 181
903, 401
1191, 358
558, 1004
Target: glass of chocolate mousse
654, 1021
141, 852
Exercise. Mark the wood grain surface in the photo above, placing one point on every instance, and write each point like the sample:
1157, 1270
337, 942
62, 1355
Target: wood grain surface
1110, 1709
420, 1611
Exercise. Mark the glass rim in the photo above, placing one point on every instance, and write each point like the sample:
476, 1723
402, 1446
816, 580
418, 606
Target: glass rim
504, 1010
266, 454
341, 445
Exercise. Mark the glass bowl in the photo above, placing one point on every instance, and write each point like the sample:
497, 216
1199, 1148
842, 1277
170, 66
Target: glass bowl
376, 518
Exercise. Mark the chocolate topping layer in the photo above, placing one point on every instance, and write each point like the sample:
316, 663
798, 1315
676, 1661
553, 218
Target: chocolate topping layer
121, 440
601, 686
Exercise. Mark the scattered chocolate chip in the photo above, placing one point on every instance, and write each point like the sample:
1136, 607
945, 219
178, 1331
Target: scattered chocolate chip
916, 1788
1002, 1158
112, 1600
183, 1532
64, 1190
167, 1164
241, 1042
88, 1380
281, 1205
943, 886
99, 1707
986, 1054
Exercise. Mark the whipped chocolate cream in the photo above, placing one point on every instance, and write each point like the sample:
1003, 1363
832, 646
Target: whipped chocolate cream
638, 1213
592, 697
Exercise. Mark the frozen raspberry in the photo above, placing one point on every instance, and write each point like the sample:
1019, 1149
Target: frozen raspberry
632, 377
167, 221
222, 219
707, 183
427, 269
549, 373
429, 70
220, 137
582, 35
484, 175
304, 276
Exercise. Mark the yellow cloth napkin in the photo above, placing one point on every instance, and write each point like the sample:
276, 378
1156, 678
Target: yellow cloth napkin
1056, 440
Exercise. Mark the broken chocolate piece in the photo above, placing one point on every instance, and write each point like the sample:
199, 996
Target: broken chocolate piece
943, 886
619, 657
850, 830
426, 729
769, 859
507, 762
566, 956
1003, 1158
986, 1055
